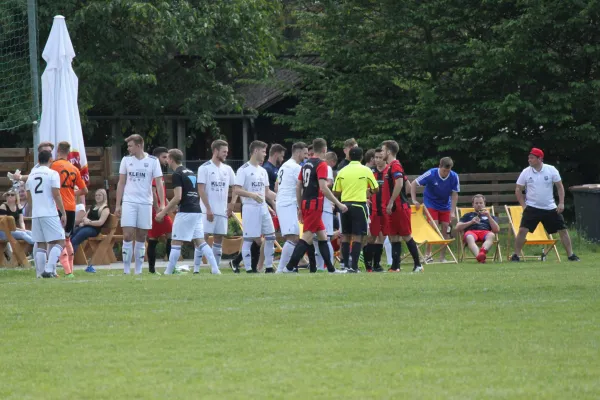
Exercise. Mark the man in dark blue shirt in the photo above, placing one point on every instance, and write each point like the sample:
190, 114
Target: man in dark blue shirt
479, 227
276, 155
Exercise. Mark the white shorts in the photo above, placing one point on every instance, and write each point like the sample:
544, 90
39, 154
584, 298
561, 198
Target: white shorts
288, 219
256, 221
47, 229
187, 226
328, 222
219, 226
134, 215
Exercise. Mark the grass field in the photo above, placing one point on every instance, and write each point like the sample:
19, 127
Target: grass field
527, 330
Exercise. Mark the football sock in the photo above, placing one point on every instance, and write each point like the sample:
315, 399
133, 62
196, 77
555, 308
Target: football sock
53, 258
127, 253
247, 254
368, 255
197, 259
346, 254
324, 250
269, 251
414, 251
139, 250
40, 262
312, 259
377, 252
298, 253
356, 248
396, 252
152, 254
286, 254
217, 250
388, 251
173, 258
207, 252
255, 253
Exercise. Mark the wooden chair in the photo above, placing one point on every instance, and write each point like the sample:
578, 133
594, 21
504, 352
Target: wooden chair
8, 225
101, 247
462, 253
425, 232
539, 237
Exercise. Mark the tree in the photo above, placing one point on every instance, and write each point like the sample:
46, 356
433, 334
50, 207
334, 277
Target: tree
480, 81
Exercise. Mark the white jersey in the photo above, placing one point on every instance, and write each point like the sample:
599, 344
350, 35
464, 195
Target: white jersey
217, 180
539, 186
327, 204
287, 178
140, 173
252, 179
40, 183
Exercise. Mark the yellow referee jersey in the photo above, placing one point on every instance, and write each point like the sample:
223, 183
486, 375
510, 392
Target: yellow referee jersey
353, 181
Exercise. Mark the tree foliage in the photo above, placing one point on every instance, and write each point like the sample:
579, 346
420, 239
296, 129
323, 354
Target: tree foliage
481, 81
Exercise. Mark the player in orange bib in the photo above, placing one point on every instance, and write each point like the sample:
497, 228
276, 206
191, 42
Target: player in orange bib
69, 178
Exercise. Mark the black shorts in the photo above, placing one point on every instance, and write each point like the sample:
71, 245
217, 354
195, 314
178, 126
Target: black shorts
550, 219
355, 220
70, 225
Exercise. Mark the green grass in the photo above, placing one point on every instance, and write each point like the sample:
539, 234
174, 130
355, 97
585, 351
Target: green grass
526, 330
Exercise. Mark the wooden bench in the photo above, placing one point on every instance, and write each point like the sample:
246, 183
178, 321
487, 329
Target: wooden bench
7, 225
99, 249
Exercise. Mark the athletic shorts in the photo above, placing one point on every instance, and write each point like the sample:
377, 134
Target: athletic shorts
47, 229
219, 225
256, 221
328, 222
478, 235
160, 228
134, 215
187, 226
378, 225
550, 219
288, 219
398, 224
355, 220
312, 220
70, 225
439, 215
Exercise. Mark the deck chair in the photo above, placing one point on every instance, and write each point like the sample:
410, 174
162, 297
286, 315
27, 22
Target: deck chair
425, 232
462, 246
539, 237
101, 246
8, 225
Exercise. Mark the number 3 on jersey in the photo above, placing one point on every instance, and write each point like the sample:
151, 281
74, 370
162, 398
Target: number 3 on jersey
69, 179
280, 176
306, 177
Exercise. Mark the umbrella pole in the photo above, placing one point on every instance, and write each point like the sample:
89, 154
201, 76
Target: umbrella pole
35, 75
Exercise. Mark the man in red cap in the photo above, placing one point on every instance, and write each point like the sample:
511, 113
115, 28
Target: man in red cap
539, 205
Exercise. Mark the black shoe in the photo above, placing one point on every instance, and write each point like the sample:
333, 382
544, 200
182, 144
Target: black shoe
515, 258
269, 271
235, 268
196, 273
573, 257
351, 271
251, 271
47, 274
378, 269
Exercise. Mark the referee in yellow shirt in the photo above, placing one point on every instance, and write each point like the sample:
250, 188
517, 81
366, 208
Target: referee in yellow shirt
355, 183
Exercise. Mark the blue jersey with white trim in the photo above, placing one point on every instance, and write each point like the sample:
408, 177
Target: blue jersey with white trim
438, 190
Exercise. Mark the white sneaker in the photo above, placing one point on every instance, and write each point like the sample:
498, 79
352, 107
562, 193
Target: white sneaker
183, 268
337, 271
216, 271
287, 271
418, 268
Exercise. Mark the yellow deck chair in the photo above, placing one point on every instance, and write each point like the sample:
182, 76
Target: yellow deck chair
462, 247
539, 237
425, 233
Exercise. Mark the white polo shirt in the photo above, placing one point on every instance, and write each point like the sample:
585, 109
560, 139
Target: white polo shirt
539, 186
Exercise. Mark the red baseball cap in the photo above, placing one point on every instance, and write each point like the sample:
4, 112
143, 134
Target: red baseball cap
537, 152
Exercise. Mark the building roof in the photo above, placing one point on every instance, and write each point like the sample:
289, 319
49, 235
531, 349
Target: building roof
261, 96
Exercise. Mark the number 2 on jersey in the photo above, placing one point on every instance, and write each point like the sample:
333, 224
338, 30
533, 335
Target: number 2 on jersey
39, 179
306, 177
67, 175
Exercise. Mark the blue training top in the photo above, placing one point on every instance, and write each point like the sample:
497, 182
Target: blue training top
438, 191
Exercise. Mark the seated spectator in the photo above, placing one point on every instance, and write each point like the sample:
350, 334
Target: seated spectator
479, 226
12, 207
91, 224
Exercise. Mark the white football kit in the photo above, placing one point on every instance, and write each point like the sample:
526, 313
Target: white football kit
136, 210
286, 204
216, 180
256, 217
45, 223
327, 217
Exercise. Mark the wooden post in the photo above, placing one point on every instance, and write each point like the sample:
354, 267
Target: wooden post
181, 142
116, 146
245, 139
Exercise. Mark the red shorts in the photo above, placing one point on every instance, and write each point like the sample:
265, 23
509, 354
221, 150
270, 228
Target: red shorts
378, 225
398, 224
160, 228
313, 220
439, 215
478, 235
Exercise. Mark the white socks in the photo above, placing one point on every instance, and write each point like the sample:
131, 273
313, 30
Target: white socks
217, 250
388, 250
173, 258
53, 258
269, 251
127, 253
210, 257
247, 254
286, 254
139, 251
40, 262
